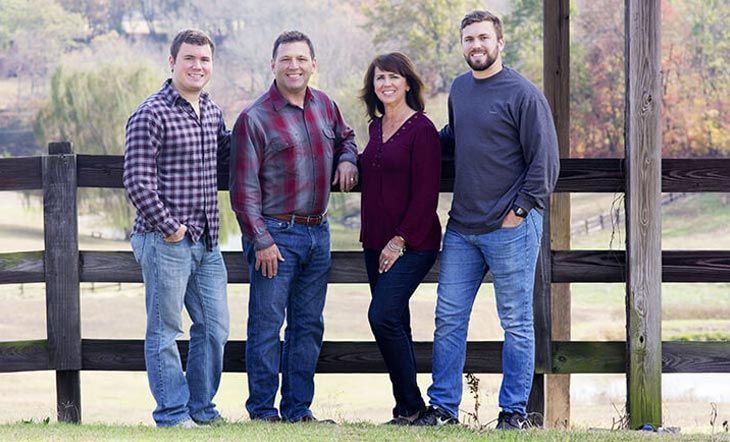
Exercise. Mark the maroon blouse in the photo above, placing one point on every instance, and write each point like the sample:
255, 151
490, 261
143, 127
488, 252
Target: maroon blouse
400, 185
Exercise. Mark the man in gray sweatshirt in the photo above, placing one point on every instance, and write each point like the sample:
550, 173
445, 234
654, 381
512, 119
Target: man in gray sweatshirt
503, 139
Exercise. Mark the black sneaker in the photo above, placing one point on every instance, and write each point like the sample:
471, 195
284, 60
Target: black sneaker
399, 420
433, 417
511, 421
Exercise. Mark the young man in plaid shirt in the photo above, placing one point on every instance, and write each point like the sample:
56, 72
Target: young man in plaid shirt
288, 147
174, 141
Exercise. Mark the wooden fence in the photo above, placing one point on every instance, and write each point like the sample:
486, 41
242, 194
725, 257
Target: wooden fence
62, 267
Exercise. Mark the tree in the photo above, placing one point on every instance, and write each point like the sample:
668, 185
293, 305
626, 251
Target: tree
90, 108
101, 16
34, 36
523, 38
426, 31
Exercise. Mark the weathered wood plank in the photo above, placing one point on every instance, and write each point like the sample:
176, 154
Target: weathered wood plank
610, 357
643, 212
591, 175
589, 357
695, 175
347, 267
24, 356
609, 266
21, 267
589, 266
100, 170
22, 173
579, 175
696, 357
364, 357
696, 266
63, 315
335, 357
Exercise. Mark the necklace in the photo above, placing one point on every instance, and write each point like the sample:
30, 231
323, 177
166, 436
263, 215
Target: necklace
391, 125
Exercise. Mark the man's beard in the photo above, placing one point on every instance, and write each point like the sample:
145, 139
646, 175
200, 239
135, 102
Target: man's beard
491, 58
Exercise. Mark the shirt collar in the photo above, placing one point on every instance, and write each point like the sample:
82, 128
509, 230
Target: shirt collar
278, 100
172, 96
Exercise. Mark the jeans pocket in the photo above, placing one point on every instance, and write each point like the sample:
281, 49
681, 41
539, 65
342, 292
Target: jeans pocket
274, 224
137, 240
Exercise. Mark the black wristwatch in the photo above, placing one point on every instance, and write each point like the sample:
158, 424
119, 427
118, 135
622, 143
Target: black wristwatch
519, 211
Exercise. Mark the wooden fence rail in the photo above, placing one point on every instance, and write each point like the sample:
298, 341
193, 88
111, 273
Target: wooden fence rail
61, 266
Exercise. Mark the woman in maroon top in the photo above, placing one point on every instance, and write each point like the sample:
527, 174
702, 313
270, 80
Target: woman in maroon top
400, 174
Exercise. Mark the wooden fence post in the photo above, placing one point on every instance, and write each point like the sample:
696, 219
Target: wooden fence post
61, 268
556, 84
643, 213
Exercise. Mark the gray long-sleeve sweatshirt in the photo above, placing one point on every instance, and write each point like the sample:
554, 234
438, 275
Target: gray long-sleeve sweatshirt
502, 136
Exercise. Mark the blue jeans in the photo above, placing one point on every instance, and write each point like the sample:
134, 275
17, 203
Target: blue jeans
176, 274
511, 255
297, 292
390, 321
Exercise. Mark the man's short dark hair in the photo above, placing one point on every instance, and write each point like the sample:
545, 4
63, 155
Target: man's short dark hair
192, 37
480, 16
291, 37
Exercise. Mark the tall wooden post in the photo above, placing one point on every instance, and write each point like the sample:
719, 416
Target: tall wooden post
61, 266
643, 216
556, 84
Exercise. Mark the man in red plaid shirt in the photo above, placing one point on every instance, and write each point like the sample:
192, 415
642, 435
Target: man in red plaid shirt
289, 146
174, 142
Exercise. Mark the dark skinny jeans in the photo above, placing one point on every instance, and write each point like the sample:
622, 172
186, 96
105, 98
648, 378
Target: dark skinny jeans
390, 321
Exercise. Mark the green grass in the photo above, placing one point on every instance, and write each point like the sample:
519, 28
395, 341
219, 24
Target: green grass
315, 432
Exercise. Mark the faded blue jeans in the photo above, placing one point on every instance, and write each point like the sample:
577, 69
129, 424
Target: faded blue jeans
297, 294
177, 274
511, 255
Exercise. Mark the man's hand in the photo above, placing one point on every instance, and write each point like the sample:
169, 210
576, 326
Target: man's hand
346, 176
512, 220
267, 260
178, 235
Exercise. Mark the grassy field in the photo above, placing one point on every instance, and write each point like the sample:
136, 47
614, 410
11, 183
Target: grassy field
694, 311
250, 431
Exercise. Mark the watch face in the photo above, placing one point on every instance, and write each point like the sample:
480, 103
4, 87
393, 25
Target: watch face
519, 211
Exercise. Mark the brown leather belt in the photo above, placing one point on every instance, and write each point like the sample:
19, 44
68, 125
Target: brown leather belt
307, 220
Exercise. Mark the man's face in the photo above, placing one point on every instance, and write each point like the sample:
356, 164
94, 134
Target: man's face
192, 68
481, 46
292, 67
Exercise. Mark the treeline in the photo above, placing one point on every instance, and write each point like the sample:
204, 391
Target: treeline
83, 65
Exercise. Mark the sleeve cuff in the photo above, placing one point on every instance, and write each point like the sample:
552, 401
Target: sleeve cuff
169, 227
264, 241
525, 202
349, 157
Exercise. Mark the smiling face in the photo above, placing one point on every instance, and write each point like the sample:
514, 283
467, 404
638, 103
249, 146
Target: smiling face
292, 67
390, 87
192, 68
482, 49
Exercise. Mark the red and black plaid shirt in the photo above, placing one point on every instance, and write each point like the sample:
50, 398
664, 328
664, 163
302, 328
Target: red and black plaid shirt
283, 158
170, 164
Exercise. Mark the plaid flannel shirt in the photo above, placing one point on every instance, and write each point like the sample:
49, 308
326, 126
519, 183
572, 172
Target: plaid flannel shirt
283, 158
170, 164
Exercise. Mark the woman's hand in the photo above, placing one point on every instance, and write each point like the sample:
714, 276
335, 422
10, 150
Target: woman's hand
390, 253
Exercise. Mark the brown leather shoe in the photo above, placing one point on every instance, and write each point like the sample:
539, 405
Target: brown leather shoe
310, 418
270, 419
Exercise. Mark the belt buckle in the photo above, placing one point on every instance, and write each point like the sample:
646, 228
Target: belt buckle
313, 220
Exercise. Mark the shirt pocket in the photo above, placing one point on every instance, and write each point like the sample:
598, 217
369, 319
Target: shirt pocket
281, 154
328, 144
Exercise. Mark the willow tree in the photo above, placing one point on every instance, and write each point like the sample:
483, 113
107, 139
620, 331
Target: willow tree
90, 108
